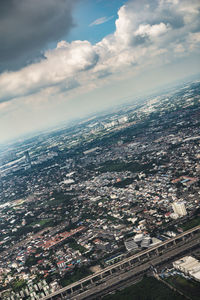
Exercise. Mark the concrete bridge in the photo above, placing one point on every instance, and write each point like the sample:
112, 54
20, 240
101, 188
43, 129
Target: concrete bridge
137, 263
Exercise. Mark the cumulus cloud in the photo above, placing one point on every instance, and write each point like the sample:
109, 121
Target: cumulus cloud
152, 31
58, 68
146, 33
27, 26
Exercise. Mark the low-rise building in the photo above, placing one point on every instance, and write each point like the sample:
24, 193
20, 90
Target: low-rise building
189, 266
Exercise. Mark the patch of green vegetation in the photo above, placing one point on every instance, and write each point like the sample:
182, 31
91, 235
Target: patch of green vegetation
43, 223
147, 289
188, 287
123, 183
72, 244
18, 284
59, 198
119, 166
190, 224
76, 275
32, 260
103, 200
22, 231
88, 215
111, 218
113, 166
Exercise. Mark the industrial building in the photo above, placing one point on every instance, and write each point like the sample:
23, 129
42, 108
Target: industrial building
131, 245
189, 266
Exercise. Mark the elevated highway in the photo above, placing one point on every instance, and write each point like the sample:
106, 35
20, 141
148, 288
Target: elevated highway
133, 265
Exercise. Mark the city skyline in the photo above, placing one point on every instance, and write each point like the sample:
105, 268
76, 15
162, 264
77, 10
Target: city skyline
69, 59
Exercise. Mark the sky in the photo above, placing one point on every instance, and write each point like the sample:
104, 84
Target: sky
65, 59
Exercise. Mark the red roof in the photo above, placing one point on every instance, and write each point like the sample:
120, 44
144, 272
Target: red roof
167, 214
60, 262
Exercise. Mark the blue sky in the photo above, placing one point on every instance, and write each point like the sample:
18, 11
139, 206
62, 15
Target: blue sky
87, 12
69, 59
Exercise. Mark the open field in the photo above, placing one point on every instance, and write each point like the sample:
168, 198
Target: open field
190, 288
147, 289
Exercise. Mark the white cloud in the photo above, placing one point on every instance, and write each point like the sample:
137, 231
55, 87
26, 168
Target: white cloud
101, 20
152, 31
145, 34
59, 67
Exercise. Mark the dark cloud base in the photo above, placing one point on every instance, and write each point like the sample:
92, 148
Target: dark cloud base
28, 26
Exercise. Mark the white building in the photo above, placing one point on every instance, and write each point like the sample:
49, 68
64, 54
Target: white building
179, 208
138, 237
189, 266
146, 242
130, 245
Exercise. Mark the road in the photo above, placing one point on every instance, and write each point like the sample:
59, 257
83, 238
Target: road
142, 267
118, 281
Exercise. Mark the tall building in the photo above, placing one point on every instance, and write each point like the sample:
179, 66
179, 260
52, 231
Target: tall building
179, 208
27, 157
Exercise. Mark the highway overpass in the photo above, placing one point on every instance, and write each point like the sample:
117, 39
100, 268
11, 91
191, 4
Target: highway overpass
133, 265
